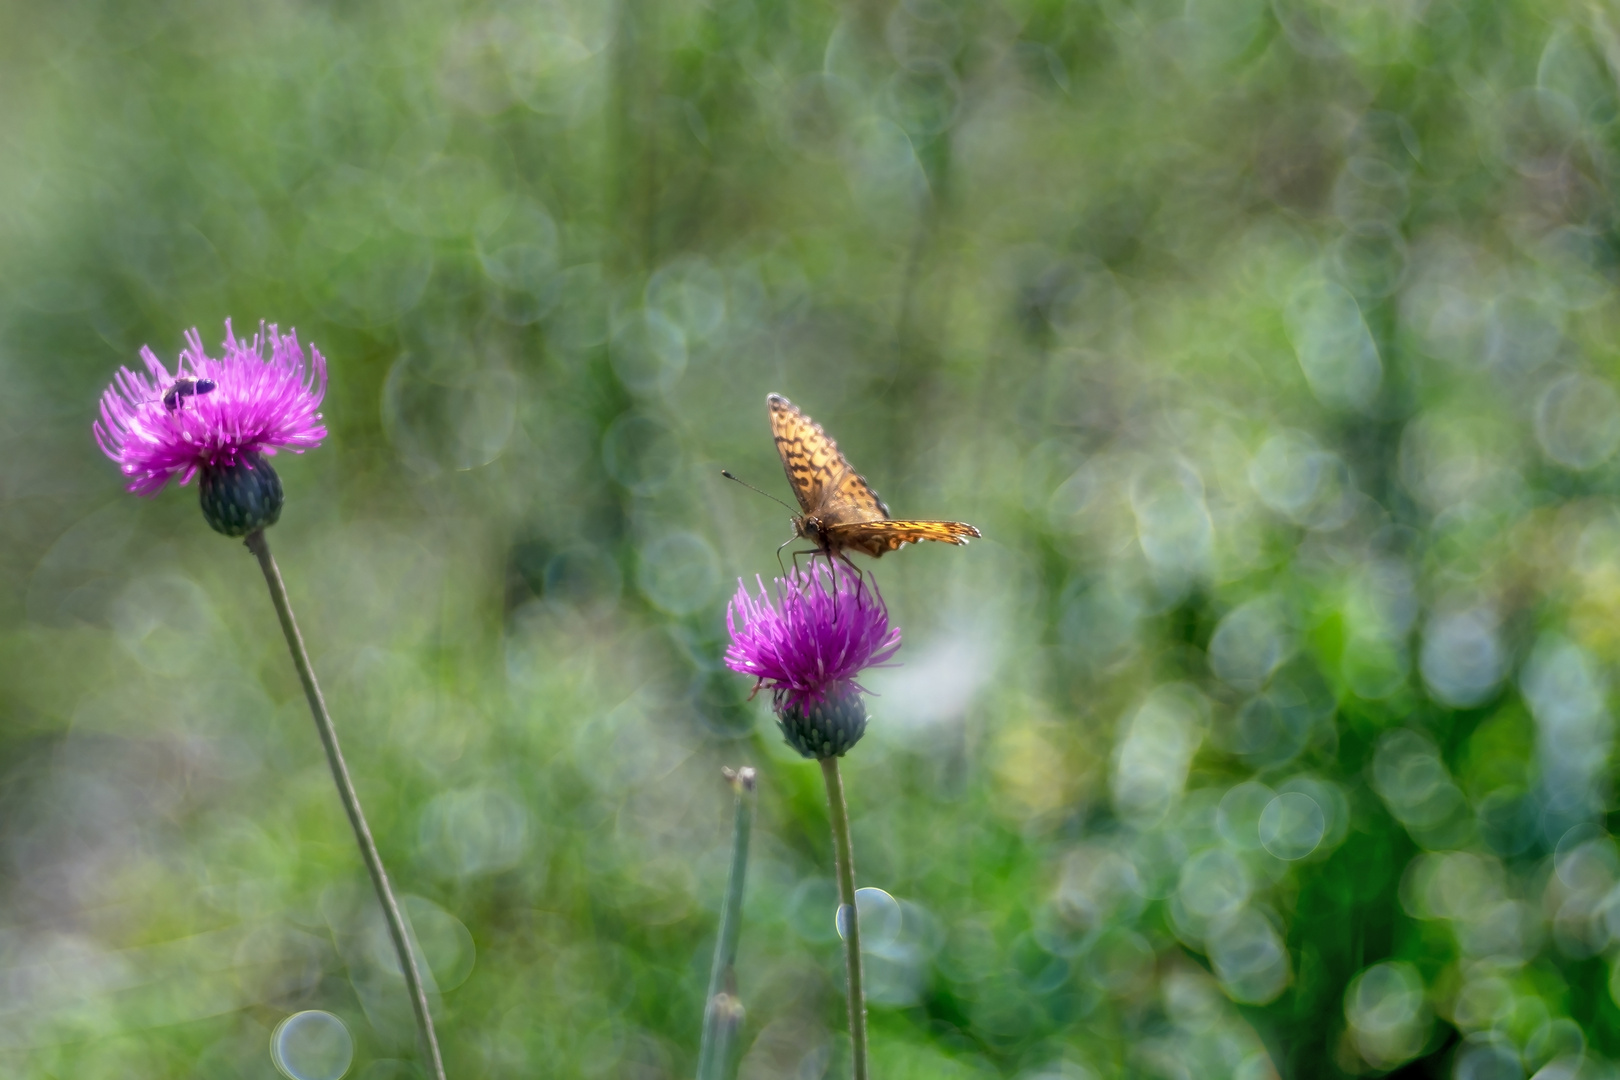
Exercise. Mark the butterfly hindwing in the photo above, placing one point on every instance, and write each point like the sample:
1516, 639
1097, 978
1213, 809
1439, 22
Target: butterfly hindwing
875, 538
850, 499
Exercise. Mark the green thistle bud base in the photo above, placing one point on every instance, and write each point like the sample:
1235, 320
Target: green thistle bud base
828, 729
242, 497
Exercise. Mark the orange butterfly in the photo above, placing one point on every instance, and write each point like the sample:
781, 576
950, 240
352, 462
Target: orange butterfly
841, 511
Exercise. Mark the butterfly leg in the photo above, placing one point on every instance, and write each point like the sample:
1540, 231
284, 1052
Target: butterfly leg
812, 552
833, 574
779, 548
833, 559
860, 575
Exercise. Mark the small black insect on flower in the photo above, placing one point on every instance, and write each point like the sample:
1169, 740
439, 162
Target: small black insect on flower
185, 386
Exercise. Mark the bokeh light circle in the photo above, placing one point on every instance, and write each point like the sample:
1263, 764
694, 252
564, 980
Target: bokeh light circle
1292, 825
679, 572
472, 832
1249, 644
312, 1045
1239, 814
449, 406
690, 295
1490, 1057
1387, 1013
1214, 883
641, 452
1335, 349
444, 947
1578, 421
1249, 957
1286, 472
1463, 660
880, 919
647, 351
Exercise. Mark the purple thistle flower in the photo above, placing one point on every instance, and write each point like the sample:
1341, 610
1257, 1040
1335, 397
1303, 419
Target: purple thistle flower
218, 418
808, 645
266, 395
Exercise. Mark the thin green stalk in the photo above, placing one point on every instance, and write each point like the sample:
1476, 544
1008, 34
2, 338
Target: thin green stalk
260, 547
844, 852
728, 1012
722, 1010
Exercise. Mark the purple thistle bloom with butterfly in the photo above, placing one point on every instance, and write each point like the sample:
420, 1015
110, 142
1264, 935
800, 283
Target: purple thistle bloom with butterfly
220, 418
808, 644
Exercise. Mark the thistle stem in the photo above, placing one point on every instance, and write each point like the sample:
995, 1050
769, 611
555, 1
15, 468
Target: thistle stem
722, 1011
845, 856
260, 547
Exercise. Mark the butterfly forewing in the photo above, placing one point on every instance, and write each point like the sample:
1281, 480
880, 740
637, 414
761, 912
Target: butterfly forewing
809, 456
822, 478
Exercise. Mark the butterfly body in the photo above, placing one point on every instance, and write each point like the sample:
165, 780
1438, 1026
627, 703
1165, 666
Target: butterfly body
841, 511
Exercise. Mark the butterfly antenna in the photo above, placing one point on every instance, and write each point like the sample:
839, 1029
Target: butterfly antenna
727, 474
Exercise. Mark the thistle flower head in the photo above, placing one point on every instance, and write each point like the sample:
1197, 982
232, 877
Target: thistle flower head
807, 645
265, 395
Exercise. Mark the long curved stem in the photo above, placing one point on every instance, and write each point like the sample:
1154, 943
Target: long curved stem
722, 1012
844, 852
260, 547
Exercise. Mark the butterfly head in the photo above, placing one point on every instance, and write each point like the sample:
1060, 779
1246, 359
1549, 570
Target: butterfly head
808, 526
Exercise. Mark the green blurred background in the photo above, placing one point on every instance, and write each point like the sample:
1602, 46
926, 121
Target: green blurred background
1270, 345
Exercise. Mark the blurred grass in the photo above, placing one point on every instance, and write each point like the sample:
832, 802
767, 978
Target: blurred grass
1271, 346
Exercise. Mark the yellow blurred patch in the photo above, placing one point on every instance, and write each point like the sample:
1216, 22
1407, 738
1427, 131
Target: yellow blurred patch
1040, 767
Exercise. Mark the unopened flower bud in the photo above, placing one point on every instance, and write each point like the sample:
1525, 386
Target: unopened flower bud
241, 497
823, 729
